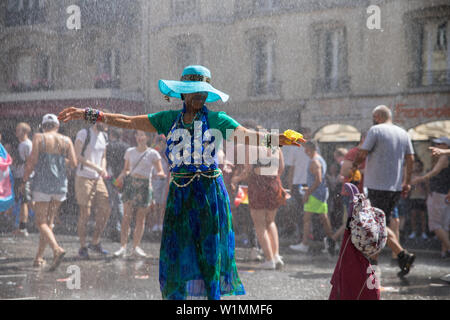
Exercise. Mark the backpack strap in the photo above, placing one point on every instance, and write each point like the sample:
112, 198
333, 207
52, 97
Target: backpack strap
350, 188
86, 143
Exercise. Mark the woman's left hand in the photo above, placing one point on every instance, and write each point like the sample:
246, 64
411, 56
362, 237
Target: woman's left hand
161, 175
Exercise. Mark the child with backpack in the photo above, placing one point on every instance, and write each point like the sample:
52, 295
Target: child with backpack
354, 277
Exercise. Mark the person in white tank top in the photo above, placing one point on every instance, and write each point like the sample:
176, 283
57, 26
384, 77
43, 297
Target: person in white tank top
139, 164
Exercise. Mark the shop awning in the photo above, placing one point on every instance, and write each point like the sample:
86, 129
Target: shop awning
429, 130
338, 133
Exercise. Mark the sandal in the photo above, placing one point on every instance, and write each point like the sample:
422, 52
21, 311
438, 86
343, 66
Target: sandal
39, 262
57, 260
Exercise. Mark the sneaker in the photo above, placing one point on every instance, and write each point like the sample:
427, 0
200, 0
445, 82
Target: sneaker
121, 252
268, 265
405, 262
139, 252
279, 264
155, 228
21, 233
83, 253
329, 246
412, 235
98, 248
255, 255
300, 247
446, 278
424, 236
445, 255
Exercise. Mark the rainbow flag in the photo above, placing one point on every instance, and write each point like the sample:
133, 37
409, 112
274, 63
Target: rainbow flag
241, 196
6, 181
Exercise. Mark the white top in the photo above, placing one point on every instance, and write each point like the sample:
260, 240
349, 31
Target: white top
164, 164
94, 152
24, 148
295, 156
145, 166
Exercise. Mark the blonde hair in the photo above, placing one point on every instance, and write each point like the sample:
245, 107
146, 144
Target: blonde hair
340, 152
25, 127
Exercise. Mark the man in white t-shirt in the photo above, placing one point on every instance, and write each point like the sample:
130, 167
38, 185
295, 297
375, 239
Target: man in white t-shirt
90, 188
297, 161
23, 194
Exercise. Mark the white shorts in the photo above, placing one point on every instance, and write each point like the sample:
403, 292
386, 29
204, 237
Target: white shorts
438, 212
43, 197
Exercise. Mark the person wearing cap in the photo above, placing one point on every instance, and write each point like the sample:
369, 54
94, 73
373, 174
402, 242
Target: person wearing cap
438, 208
51, 151
197, 257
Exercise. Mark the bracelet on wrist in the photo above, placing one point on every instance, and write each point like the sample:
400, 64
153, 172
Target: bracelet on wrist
92, 115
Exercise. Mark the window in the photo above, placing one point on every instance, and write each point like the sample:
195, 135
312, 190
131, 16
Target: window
25, 12
331, 61
435, 53
24, 69
32, 73
108, 74
262, 53
262, 66
184, 9
427, 35
188, 51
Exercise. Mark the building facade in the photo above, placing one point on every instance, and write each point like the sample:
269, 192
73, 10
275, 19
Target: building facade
285, 63
291, 64
46, 66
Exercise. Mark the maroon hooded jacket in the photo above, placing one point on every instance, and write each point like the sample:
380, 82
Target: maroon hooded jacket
354, 277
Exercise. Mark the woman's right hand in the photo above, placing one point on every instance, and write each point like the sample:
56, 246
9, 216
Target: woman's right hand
71, 113
119, 180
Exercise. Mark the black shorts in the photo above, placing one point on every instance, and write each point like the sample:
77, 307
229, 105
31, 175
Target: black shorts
417, 204
25, 196
384, 200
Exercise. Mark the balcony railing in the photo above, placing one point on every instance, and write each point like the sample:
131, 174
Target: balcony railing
420, 79
25, 17
331, 85
109, 13
36, 85
266, 89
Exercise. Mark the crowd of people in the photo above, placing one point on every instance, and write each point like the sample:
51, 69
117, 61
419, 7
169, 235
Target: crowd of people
111, 178
117, 181
120, 181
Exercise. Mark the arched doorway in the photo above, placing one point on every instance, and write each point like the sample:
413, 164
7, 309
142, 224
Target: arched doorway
333, 136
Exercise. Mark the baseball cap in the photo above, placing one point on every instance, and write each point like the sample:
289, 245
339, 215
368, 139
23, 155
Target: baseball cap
443, 140
50, 117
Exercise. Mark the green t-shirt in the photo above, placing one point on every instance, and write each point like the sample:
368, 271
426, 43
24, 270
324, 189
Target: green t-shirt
163, 121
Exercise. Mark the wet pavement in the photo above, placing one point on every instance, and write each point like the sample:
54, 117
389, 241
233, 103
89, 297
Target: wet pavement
304, 277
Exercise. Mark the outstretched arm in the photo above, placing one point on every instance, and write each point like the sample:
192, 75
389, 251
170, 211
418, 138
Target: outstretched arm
437, 151
282, 139
140, 122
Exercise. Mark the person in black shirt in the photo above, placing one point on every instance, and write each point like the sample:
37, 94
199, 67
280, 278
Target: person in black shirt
115, 152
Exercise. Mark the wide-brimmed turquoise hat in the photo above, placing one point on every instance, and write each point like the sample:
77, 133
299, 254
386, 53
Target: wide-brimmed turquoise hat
193, 79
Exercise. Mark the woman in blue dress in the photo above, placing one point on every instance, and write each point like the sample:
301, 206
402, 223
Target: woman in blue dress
197, 257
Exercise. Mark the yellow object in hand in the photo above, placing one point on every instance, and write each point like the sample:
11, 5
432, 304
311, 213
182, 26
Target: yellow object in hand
356, 176
294, 135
